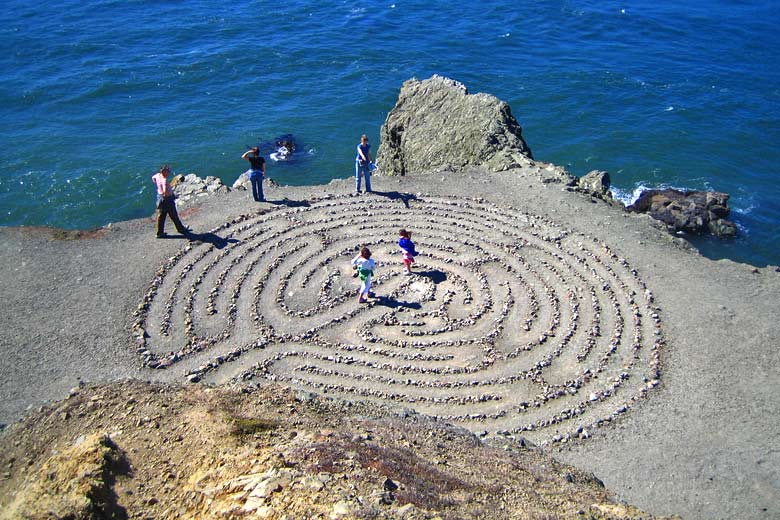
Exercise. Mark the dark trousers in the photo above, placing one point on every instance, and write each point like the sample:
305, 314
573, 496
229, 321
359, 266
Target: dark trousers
166, 207
257, 186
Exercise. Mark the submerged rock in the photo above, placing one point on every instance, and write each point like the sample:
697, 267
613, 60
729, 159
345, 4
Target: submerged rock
437, 125
689, 211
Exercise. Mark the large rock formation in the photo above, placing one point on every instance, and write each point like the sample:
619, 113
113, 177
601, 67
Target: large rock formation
689, 211
596, 184
437, 125
188, 188
177, 452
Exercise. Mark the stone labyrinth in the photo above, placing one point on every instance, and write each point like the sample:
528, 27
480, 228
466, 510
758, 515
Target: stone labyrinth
511, 325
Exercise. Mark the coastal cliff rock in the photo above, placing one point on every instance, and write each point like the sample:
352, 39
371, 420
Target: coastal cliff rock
689, 211
595, 183
243, 184
195, 452
190, 187
76, 483
437, 125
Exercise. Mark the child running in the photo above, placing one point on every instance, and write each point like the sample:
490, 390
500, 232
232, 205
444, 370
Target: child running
407, 248
365, 269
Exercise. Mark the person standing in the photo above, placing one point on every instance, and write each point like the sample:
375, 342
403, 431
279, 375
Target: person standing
166, 203
363, 164
407, 250
364, 266
256, 172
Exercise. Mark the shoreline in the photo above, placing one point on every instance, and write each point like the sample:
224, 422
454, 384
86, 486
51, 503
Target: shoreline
706, 245
72, 303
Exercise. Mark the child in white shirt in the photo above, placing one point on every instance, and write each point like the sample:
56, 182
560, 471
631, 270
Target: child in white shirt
364, 266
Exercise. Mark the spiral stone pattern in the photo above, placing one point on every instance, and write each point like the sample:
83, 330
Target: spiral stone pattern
511, 324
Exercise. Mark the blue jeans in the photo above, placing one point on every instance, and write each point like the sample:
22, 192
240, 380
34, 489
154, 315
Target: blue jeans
256, 179
362, 168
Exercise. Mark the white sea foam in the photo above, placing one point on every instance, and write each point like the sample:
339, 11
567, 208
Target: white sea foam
629, 197
625, 196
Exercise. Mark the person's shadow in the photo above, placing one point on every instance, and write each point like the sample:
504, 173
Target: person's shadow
290, 203
211, 238
435, 275
397, 195
392, 303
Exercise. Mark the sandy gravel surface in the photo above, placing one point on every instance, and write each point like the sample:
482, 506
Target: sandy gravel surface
702, 444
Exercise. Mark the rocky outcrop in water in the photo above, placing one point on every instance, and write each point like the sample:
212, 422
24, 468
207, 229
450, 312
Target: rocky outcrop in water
437, 125
689, 211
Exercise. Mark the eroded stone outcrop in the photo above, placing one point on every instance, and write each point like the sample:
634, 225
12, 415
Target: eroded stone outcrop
595, 183
437, 125
217, 453
75, 483
689, 211
190, 187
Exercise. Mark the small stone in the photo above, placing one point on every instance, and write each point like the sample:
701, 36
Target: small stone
405, 509
340, 509
314, 484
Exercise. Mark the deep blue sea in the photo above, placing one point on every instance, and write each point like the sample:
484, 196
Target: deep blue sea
96, 94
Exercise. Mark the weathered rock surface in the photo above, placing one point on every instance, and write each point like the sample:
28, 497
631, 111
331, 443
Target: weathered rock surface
242, 183
203, 453
190, 187
437, 125
595, 183
689, 211
75, 483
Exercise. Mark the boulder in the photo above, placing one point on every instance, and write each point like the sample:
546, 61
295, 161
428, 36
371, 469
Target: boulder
76, 482
595, 183
242, 183
689, 211
189, 186
437, 125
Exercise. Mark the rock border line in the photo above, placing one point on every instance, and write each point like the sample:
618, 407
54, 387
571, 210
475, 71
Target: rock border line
511, 325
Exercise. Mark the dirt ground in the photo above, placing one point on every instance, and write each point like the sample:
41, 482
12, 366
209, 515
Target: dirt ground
702, 443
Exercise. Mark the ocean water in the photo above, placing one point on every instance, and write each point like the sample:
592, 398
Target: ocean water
95, 95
